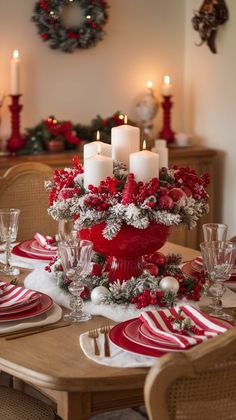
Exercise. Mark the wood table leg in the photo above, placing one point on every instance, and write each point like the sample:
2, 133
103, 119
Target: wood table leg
74, 405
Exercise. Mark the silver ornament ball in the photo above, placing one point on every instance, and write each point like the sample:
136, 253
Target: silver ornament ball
168, 284
98, 294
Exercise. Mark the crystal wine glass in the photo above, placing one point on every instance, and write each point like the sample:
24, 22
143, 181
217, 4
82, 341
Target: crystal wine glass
218, 258
75, 257
9, 219
214, 232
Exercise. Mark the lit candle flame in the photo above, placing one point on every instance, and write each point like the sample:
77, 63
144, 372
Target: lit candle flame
125, 119
167, 80
98, 135
15, 54
149, 84
99, 149
144, 145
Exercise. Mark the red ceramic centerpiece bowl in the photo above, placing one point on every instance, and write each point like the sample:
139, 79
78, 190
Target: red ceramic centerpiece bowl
126, 249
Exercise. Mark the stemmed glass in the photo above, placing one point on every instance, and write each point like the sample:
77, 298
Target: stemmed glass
214, 232
75, 257
218, 258
9, 219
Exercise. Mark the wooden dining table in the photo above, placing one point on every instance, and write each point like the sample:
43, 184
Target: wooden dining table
54, 363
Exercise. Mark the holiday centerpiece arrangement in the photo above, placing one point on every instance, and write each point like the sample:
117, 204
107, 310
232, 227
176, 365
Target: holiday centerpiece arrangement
128, 214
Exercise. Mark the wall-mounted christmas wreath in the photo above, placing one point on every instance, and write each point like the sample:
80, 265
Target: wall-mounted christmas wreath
48, 17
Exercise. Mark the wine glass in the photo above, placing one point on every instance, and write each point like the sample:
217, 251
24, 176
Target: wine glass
9, 219
214, 232
218, 258
75, 257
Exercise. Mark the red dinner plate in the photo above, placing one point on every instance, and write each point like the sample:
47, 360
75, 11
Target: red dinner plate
37, 247
19, 308
17, 251
26, 247
132, 331
118, 338
44, 304
195, 266
189, 271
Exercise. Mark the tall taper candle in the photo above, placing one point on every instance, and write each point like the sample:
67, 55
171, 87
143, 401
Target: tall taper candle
125, 139
15, 73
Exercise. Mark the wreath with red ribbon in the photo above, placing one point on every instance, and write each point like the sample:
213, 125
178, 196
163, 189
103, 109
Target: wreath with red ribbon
48, 19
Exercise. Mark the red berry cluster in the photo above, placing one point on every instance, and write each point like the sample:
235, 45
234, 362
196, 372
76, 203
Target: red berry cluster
148, 297
43, 4
103, 196
179, 319
65, 179
189, 181
51, 263
190, 287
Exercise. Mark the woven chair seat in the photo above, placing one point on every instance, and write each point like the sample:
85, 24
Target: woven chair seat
15, 405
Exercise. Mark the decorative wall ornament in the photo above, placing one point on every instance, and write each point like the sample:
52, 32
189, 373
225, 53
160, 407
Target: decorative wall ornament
49, 17
211, 14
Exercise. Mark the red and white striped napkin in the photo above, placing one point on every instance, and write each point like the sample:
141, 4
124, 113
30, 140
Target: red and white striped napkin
12, 296
160, 325
46, 242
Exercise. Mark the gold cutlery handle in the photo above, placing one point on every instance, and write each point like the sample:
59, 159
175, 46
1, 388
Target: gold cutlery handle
28, 333
106, 346
96, 349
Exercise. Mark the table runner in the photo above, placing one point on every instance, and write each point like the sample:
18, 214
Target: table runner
42, 281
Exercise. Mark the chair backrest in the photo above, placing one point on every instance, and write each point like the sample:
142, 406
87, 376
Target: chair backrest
199, 384
22, 186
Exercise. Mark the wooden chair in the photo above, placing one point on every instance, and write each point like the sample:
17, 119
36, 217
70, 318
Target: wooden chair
15, 405
22, 186
199, 384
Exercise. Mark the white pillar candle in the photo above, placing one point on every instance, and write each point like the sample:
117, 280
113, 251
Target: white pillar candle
167, 87
125, 139
15, 73
162, 150
96, 169
144, 165
91, 149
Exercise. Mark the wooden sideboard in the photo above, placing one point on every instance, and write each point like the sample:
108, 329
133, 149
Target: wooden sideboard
199, 158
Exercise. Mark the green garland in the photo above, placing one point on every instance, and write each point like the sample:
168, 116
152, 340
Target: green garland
48, 19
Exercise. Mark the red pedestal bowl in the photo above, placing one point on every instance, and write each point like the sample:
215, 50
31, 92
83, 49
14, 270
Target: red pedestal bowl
126, 250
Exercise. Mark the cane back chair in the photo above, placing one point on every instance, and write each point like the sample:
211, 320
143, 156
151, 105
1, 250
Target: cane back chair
199, 384
22, 186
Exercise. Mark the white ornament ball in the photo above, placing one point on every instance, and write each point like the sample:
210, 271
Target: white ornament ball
168, 284
98, 294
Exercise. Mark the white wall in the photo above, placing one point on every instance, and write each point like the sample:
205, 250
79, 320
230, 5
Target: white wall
144, 41
210, 98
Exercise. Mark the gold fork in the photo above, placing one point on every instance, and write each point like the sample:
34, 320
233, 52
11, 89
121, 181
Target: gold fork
94, 335
105, 328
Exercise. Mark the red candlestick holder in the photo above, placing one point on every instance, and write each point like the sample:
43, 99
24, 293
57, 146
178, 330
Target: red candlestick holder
16, 141
167, 133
